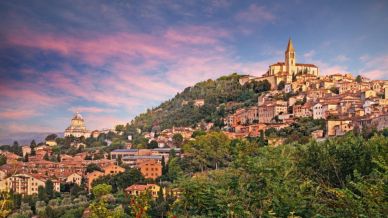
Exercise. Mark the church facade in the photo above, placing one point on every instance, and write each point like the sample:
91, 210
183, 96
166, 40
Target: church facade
285, 71
289, 66
77, 127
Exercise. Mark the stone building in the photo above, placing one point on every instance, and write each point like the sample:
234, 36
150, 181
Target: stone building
77, 127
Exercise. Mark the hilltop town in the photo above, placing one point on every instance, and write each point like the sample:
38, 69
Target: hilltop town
290, 103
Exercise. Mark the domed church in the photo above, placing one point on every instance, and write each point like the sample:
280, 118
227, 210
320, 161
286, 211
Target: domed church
77, 127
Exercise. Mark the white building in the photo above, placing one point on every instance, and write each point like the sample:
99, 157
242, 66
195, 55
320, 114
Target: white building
318, 111
77, 127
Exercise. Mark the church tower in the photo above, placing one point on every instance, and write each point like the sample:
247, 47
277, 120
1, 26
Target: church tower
290, 61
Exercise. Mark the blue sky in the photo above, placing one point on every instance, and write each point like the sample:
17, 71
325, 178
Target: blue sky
111, 60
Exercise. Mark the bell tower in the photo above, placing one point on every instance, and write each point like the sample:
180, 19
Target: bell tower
290, 61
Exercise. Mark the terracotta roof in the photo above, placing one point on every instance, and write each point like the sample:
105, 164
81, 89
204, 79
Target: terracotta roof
139, 187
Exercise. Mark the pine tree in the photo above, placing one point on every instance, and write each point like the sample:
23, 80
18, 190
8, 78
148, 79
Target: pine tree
46, 156
26, 158
164, 167
59, 157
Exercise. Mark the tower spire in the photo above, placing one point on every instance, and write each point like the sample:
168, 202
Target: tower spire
290, 47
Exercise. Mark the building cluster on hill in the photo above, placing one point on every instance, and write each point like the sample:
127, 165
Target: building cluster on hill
343, 101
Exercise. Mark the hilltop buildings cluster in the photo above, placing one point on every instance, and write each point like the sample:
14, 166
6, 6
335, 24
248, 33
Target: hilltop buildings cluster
343, 101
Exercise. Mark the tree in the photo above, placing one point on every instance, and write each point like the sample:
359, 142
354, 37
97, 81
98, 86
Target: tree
174, 170
46, 156
140, 205
33, 144
3, 159
153, 144
209, 151
49, 187
42, 194
25, 210
121, 180
33, 152
101, 190
120, 128
164, 167
25, 159
93, 167
358, 79
51, 137
281, 85
5, 204
177, 139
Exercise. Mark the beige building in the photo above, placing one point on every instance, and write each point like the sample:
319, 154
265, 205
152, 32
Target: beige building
113, 169
77, 127
26, 149
74, 178
93, 176
25, 184
268, 111
290, 67
339, 127
137, 189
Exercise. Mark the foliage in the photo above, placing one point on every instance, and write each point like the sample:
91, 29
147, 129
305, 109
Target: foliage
101, 190
93, 167
3, 160
121, 180
5, 204
175, 112
153, 144
209, 151
358, 78
177, 139
51, 137
340, 177
281, 85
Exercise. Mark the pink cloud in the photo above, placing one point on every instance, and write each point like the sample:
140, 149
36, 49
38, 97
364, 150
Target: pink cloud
375, 68
17, 114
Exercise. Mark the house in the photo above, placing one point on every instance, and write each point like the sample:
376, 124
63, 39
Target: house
74, 178
26, 149
302, 110
373, 122
268, 111
318, 111
368, 94
95, 134
138, 189
317, 134
93, 176
151, 169
199, 102
339, 126
112, 169
51, 143
26, 184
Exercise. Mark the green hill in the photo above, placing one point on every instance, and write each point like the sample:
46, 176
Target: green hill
221, 96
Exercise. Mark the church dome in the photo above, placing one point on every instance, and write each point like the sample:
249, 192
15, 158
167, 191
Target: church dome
77, 127
77, 116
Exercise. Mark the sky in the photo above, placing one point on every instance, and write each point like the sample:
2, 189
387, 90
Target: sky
111, 60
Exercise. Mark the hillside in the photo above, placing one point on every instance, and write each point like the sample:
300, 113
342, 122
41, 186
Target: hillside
220, 96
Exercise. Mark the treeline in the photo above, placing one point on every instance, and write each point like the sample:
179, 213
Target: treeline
340, 177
